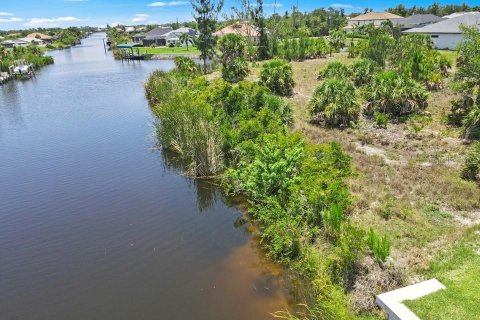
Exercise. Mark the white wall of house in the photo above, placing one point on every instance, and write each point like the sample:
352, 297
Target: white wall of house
446, 40
377, 22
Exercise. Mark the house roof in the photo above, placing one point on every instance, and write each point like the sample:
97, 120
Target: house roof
416, 20
157, 32
39, 35
15, 41
30, 39
454, 15
244, 29
375, 16
451, 25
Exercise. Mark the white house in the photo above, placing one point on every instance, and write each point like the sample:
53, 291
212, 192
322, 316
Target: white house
447, 34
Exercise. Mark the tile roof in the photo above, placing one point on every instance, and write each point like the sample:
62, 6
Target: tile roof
375, 16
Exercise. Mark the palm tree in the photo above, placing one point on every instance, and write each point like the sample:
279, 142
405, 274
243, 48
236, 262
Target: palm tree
186, 38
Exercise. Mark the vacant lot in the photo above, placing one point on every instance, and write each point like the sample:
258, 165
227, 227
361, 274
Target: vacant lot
407, 183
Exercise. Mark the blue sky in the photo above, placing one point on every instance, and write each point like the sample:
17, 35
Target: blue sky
21, 14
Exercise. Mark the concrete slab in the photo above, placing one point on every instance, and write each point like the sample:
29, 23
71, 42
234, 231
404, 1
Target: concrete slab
391, 301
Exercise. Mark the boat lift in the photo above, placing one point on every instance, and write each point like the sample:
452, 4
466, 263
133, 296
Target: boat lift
20, 69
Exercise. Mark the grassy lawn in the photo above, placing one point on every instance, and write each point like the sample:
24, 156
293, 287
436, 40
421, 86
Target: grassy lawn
168, 50
458, 269
451, 55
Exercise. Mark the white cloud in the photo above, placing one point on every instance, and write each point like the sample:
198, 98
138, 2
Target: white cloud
140, 17
169, 4
6, 14
50, 22
12, 19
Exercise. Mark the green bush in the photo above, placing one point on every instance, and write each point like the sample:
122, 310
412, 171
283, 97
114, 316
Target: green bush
379, 246
471, 167
235, 70
378, 48
335, 69
273, 168
277, 75
234, 64
471, 123
362, 72
187, 66
380, 119
390, 93
335, 102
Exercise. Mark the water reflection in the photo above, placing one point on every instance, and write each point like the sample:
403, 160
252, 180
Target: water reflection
91, 227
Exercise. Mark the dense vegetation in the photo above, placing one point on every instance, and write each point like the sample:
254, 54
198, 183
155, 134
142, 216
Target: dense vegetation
239, 133
31, 54
435, 8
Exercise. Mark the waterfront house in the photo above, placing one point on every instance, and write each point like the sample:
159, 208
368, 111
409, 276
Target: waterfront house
174, 35
447, 34
375, 18
244, 29
156, 37
33, 41
416, 21
37, 35
138, 38
14, 43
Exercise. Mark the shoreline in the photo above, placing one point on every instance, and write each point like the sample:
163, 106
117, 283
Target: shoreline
171, 56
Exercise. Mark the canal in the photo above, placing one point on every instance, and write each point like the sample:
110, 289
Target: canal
96, 223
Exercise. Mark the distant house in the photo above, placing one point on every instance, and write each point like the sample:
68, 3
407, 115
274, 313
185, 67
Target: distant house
34, 41
174, 35
138, 38
375, 18
447, 33
130, 29
156, 36
244, 29
14, 43
416, 21
163, 36
37, 35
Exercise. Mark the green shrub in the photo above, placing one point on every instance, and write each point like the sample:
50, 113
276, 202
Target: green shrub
333, 220
335, 102
380, 119
471, 167
379, 47
391, 93
344, 262
277, 75
322, 181
379, 246
362, 71
233, 51
272, 169
471, 123
187, 66
335, 69
235, 70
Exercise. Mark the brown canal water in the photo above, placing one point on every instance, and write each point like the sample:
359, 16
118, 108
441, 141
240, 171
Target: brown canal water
95, 223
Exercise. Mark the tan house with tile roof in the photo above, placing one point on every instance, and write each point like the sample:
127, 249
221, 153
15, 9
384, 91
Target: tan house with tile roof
375, 18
